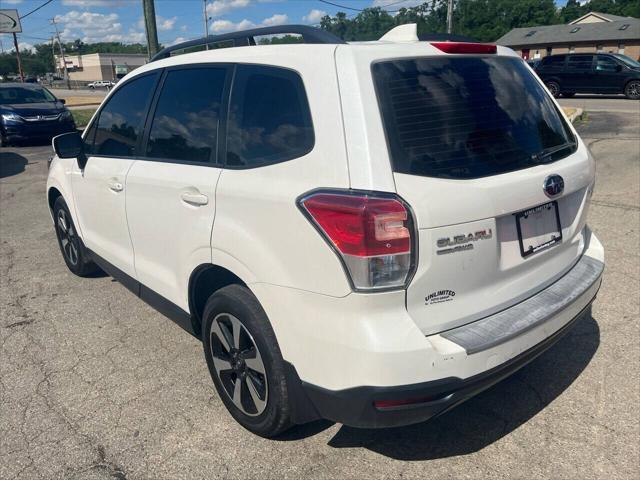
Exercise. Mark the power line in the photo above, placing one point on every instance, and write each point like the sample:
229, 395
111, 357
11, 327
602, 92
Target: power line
394, 3
341, 6
36, 9
363, 9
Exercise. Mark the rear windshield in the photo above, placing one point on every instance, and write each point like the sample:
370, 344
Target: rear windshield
467, 117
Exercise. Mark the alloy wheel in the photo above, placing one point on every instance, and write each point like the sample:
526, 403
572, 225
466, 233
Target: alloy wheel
68, 238
633, 90
238, 364
554, 88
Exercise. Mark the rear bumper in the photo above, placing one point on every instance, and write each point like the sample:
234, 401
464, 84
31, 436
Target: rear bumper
355, 406
518, 334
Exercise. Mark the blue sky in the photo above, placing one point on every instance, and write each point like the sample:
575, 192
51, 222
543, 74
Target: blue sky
177, 20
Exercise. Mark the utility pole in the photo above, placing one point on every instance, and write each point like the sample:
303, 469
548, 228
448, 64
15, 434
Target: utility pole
56, 65
206, 22
149, 10
15, 43
450, 17
64, 60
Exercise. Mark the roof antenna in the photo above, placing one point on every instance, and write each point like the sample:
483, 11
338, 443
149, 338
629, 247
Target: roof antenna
402, 33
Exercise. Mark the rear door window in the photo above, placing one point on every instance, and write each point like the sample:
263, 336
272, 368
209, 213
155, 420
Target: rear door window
120, 123
187, 116
580, 63
269, 119
467, 117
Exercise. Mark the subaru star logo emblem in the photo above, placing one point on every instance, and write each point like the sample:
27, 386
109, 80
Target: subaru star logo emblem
553, 185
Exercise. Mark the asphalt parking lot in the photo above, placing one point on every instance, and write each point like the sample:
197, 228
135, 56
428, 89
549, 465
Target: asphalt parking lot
96, 384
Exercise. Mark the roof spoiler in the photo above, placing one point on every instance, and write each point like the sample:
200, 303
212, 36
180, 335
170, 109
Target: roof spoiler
247, 38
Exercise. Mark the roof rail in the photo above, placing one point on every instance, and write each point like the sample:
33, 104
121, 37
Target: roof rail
246, 38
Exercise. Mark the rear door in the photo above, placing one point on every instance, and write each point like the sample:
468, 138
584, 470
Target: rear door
99, 189
579, 75
472, 140
171, 188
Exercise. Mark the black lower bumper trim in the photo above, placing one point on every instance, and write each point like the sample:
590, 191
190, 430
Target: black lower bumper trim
355, 406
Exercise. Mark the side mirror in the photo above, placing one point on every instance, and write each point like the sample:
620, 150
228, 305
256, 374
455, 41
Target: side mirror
70, 145
62, 100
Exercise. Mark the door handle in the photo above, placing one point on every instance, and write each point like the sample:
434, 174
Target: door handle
193, 198
115, 185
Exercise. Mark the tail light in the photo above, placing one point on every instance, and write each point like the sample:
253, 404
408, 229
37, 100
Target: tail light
372, 234
465, 47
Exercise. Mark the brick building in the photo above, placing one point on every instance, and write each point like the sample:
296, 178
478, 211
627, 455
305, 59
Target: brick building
593, 32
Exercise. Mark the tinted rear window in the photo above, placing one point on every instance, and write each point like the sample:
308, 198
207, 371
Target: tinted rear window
466, 117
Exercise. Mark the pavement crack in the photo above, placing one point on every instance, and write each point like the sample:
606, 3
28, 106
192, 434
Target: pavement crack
621, 206
21, 322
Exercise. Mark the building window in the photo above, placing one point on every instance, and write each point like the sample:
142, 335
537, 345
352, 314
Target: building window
530, 34
537, 54
621, 48
624, 27
575, 30
572, 49
599, 49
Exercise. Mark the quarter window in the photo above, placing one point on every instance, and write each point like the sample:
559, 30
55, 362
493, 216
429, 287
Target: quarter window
269, 118
187, 118
120, 123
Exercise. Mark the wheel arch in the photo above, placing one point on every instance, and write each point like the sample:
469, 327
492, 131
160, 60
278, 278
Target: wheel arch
205, 280
52, 195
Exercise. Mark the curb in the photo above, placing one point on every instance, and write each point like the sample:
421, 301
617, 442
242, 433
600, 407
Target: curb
577, 115
84, 105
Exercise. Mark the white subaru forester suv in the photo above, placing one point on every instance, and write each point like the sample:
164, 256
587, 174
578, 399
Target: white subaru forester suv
369, 233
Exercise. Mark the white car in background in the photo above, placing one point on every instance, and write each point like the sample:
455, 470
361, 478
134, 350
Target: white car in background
370, 233
101, 84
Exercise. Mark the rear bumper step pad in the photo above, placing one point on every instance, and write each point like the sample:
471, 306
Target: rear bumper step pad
510, 323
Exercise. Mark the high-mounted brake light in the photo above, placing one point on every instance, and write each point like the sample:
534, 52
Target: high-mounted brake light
465, 47
371, 234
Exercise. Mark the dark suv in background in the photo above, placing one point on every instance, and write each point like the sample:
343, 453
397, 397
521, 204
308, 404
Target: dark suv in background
574, 73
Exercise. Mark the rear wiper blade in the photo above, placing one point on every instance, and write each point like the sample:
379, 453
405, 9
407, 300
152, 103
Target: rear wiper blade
547, 152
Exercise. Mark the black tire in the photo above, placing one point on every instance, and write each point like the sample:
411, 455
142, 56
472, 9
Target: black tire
270, 414
73, 251
554, 88
3, 140
632, 90
568, 94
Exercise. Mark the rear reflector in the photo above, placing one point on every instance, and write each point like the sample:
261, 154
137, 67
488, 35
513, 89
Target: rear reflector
372, 234
464, 47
